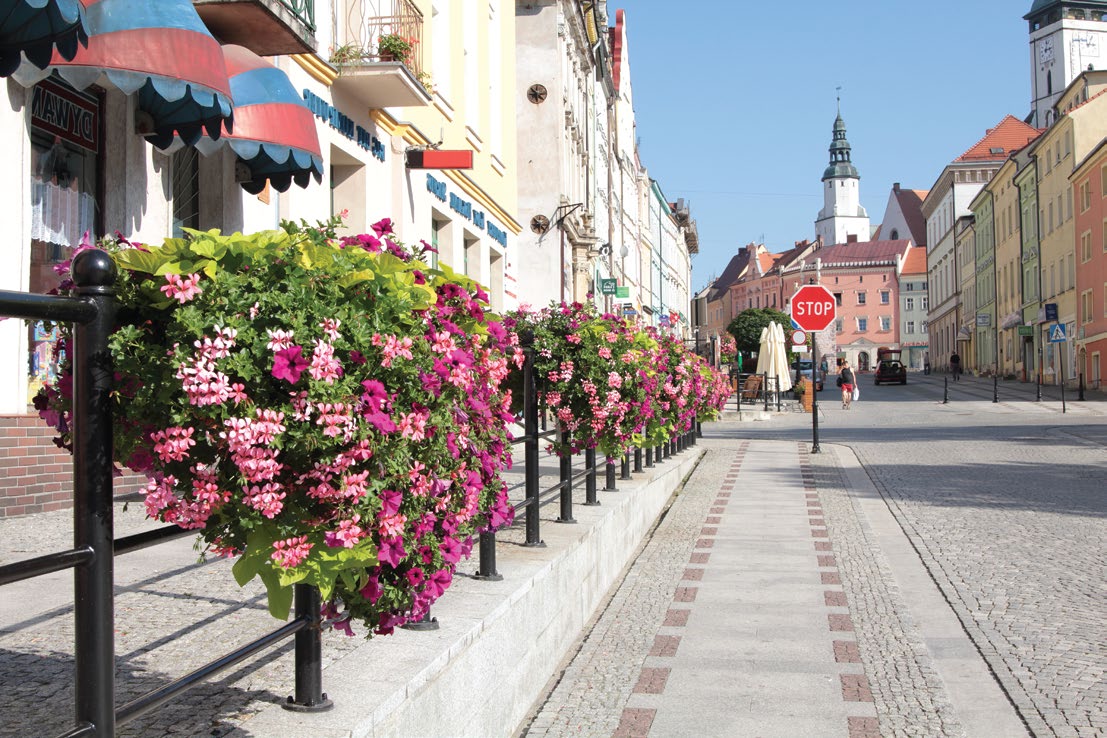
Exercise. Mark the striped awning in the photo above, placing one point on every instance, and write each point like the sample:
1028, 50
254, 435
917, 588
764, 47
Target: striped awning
160, 50
274, 130
35, 28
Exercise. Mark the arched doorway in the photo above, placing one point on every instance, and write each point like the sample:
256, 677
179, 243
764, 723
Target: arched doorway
863, 364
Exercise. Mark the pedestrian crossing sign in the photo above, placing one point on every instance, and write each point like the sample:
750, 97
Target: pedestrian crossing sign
1057, 333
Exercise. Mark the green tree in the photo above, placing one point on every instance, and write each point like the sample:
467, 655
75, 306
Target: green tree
746, 327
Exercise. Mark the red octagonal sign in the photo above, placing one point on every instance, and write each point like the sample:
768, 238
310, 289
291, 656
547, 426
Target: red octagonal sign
814, 307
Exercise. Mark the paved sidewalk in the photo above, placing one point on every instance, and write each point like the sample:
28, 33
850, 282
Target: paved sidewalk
764, 606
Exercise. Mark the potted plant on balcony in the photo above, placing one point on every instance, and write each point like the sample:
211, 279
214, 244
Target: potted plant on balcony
349, 54
393, 47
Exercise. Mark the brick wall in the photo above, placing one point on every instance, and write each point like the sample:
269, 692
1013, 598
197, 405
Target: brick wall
35, 475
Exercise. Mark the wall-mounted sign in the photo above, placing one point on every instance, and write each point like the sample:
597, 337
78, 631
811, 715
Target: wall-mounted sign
608, 286
435, 159
622, 292
1051, 311
342, 123
1026, 330
465, 209
66, 113
983, 319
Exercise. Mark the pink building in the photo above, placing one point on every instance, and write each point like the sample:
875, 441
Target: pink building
864, 277
1089, 183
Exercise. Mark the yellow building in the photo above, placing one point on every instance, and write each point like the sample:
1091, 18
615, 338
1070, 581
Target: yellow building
1080, 125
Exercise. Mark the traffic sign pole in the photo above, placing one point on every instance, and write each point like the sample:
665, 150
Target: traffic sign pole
814, 398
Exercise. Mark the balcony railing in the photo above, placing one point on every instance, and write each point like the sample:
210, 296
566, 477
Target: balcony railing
304, 10
358, 34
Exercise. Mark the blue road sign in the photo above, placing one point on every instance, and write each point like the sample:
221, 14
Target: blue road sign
1057, 333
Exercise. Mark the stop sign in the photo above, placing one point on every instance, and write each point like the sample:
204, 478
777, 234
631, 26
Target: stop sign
814, 307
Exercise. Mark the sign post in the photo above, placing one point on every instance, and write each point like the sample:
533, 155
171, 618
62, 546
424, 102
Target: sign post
1057, 335
814, 309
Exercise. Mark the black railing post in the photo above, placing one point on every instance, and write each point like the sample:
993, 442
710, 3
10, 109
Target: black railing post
779, 399
1081, 395
487, 571
699, 429
309, 695
637, 459
565, 467
93, 516
590, 498
649, 456
609, 474
530, 443
765, 389
995, 388
624, 468
1038, 382
658, 453
945, 390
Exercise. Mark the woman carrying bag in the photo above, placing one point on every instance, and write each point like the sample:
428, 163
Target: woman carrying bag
847, 381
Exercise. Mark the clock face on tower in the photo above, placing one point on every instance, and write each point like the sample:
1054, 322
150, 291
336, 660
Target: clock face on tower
1045, 50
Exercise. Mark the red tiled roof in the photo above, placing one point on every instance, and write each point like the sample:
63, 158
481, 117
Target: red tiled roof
730, 275
841, 253
767, 260
915, 263
1010, 135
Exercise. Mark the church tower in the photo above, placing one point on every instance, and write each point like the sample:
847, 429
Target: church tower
842, 218
1066, 38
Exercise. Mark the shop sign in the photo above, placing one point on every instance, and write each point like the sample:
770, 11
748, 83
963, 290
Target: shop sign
342, 123
66, 113
629, 310
622, 292
465, 209
1051, 311
1026, 330
983, 319
608, 286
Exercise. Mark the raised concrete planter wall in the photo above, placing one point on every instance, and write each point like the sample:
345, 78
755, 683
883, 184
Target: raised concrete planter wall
499, 642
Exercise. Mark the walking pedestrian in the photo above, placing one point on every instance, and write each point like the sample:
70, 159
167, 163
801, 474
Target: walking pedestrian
955, 366
847, 381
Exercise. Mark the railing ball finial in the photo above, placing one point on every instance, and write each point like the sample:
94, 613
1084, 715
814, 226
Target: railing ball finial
94, 272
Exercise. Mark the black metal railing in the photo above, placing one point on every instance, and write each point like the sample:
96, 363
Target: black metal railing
92, 558
304, 10
535, 431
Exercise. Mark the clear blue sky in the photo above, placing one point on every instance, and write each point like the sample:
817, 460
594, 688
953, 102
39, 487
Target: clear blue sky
735, 102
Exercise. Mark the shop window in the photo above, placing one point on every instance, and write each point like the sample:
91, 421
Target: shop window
66, 200
348, 191
185, 168
496, 281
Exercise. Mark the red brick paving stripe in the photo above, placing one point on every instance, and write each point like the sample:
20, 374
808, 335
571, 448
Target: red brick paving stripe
676, 618
709, 531
724, 494
713, 520
814, 503
864, 727
840, 623
824, 546
705, 543
718, 510
834, 599
635, 722
694, 575
827, 561
816, 521
685, 594
652, 681
665, 645
699, 558
811, 496
845, 652
726, 488
819, 533
830, 577
855, 688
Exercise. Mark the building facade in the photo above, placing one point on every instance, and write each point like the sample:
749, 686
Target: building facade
842, 217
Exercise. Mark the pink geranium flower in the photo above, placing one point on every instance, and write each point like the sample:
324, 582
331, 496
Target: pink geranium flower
181, 290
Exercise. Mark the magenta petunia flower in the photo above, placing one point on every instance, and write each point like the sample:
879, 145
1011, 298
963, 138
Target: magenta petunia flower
391, 551
289, 364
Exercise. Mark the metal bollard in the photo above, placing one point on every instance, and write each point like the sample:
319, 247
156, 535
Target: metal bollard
945, 390
609, 475
308, 648
995, 388
566, 475
624, 469
590, 498
487, 571
649, 456
637, 459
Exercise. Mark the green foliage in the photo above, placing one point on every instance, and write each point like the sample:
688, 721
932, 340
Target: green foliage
746, 327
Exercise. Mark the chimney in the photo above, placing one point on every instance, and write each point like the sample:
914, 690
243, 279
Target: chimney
895, 187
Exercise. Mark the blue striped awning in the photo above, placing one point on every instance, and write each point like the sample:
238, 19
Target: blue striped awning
35, 28
162, 51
